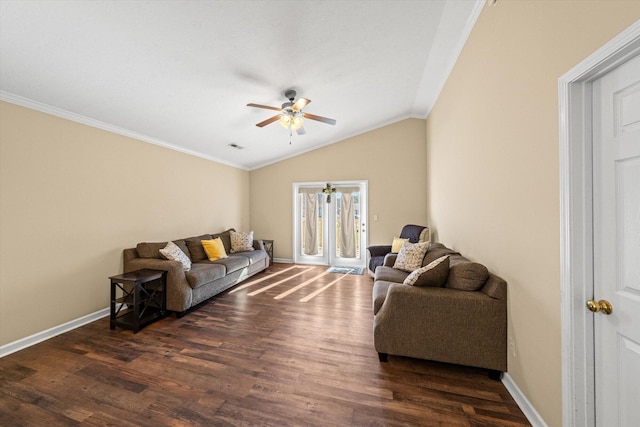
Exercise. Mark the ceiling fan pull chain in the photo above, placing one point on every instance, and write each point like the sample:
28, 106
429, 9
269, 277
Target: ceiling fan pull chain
290, 134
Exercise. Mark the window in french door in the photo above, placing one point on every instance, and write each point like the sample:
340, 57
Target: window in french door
330, 230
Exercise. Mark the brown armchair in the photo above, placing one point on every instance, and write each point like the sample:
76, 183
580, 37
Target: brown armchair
415, 234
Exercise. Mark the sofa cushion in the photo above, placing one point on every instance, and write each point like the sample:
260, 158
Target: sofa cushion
233, 263
150, 250
195, 247
254, 256
467, 276
432, 275
390, 274
225, 236
174, 253
410, 256
241, 242
435, 251
203, 273
455, 259
214, 249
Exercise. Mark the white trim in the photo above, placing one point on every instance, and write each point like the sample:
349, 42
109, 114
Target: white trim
36, 338
442, 57
523, 403
283, 260
59, 112
576, 251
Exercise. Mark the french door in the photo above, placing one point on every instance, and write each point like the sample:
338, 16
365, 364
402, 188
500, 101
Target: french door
330, 223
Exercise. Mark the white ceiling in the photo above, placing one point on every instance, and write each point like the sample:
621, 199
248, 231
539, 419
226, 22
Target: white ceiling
180, 73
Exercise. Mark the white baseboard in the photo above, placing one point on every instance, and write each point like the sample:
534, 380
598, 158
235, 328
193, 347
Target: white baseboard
527, 408
283, 260
23, 343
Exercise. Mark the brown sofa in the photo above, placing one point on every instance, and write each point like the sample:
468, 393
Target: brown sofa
185, 289
464, 322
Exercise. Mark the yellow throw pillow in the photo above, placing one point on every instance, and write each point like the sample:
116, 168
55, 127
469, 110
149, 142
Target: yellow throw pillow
214, 249
397, 244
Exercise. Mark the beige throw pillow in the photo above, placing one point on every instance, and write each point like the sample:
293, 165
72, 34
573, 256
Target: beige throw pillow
410, 256
432, 275
241, 242
174, 253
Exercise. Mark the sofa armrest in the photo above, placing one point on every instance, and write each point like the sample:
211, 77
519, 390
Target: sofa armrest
495, 287
379, 250
448, 325
129, 254
179, 296
258, 244
390, 260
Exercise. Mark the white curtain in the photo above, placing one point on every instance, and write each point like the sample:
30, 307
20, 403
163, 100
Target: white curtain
347, 226
347, 221
311, 223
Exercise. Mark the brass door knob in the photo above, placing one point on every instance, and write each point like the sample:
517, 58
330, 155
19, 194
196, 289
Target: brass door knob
603, 305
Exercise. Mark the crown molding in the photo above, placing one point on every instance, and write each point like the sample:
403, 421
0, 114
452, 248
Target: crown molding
433, 80
78, 118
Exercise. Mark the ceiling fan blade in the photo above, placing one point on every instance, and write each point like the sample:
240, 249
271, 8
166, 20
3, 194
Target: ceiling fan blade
268, 121
266, 107
300, 104
301, 131
319, 118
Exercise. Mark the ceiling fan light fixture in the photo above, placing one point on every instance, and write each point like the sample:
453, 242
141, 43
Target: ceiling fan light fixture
290, 120
285, 120
296, 123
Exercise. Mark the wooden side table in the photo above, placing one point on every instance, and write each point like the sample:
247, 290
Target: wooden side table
142, 300
268, 246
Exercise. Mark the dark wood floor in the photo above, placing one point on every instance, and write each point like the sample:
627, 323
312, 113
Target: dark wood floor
247, 360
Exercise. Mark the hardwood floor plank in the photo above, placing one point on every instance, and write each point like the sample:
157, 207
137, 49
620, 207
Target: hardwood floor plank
248, 358
16, 413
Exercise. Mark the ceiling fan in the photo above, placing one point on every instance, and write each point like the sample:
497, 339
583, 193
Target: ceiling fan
290, 114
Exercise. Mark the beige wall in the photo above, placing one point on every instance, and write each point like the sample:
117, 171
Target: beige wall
492, 150
72, 197
391, 158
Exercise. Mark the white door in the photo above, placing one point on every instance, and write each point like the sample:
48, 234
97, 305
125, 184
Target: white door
616, 234
329, 226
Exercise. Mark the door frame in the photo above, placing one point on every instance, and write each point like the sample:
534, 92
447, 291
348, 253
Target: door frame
364, 198
576, 223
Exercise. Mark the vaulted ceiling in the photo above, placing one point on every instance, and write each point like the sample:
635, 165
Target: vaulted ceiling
180, 73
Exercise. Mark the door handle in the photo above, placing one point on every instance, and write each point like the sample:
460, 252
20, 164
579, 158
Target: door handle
603, 305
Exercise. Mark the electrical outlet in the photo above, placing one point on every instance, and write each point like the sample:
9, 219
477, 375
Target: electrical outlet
512, 347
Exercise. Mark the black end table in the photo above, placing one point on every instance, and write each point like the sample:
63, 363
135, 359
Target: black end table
143, 298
